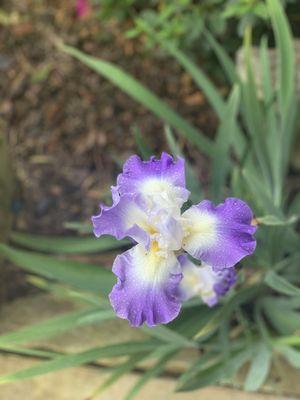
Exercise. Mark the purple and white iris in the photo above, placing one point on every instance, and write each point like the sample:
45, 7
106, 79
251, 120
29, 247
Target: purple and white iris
202, 280
155, 276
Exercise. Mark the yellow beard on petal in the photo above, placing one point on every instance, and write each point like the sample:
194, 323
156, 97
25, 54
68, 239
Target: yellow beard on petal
150, 265
156, 260
154, 248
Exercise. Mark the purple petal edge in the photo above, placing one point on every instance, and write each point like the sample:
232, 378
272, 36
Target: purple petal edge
135, 171
140, 303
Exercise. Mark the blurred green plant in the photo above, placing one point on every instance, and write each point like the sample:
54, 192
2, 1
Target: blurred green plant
260, 320
183, 22
7, 189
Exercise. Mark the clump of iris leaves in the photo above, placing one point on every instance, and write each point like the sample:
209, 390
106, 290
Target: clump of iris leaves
258, 323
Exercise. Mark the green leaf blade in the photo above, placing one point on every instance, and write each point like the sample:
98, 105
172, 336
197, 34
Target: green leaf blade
66, 245
72, 360
259, 368
281, 285
144, 96
87, 277
56, 326
150, 374
221, 158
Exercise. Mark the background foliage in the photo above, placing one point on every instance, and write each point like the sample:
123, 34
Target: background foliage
183, 22
259, 321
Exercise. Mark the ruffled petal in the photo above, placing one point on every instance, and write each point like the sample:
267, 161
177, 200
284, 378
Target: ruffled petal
219, 235
146, 291
162, 181
126, 217
203, 281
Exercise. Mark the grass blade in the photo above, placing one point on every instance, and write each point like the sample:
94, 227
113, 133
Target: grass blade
202, 363
30, 352
272, 123
56, 326
224, 59
144, 96
281, 285
286, 56
272, 220
151, 373
199, 77
285, 320
286, 88
73, 360
87, 277
262, 195
66, 245
291, 355
218, 371
168, 335
210, 91
259, 368
119, 371
220, 163
253, 115
224, 312
79, 227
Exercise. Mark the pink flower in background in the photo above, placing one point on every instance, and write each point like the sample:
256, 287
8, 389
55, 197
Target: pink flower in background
83, 8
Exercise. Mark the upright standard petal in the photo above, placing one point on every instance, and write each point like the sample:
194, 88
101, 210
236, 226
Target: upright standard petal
203, 281
169, 233
160, 181
126, 217
147, 287
219, 235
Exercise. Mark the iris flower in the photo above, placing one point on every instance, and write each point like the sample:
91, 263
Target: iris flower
154, 276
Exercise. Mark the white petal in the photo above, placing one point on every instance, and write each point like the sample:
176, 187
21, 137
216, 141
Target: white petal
200, 230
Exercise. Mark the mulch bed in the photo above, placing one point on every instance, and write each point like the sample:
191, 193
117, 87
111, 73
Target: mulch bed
68, 128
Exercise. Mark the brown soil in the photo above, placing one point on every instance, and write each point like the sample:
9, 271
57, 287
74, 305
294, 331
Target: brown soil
68, 129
